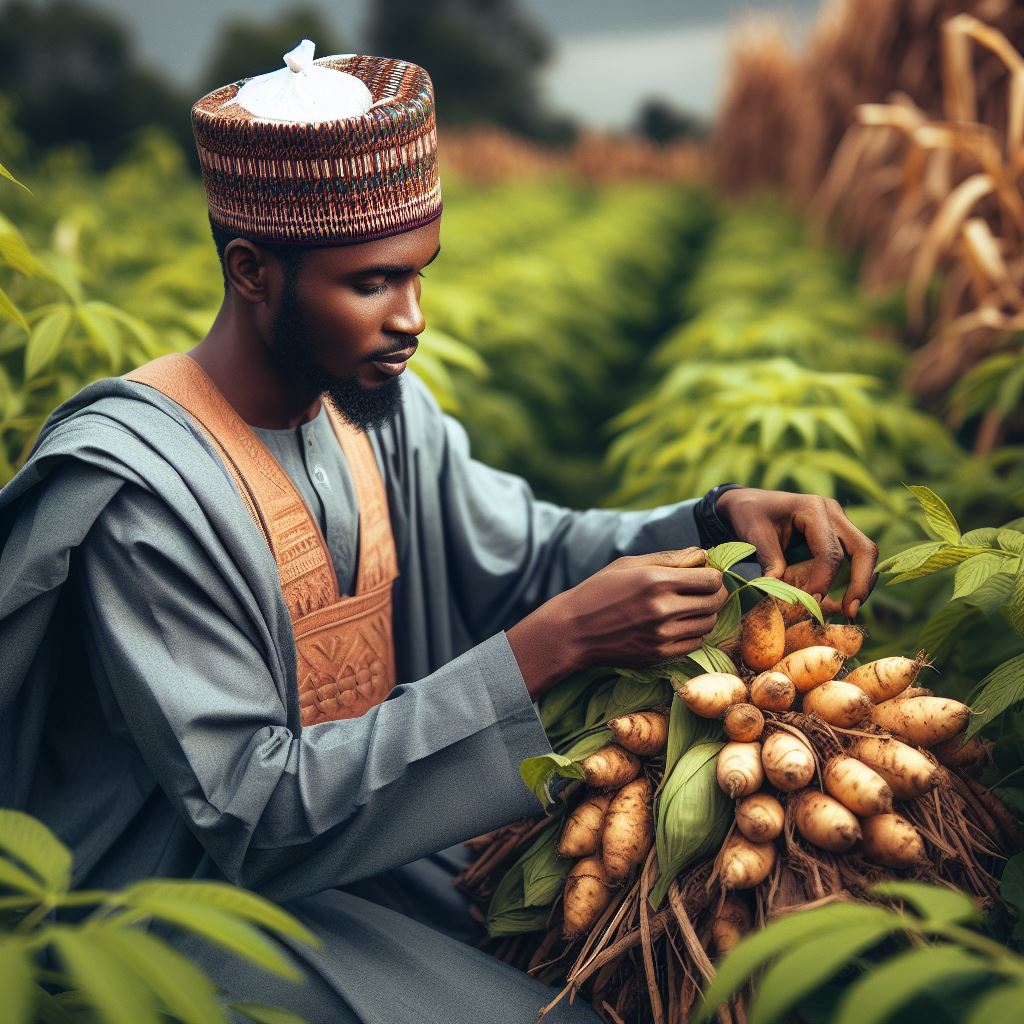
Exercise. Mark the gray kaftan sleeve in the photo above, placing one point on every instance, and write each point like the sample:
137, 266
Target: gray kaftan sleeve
288, 814
508, 551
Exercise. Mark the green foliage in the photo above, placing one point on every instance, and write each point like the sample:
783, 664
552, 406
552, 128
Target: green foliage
926, 934
110, 966
522, 901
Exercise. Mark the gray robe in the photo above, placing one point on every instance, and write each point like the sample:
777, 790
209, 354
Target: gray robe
148, 710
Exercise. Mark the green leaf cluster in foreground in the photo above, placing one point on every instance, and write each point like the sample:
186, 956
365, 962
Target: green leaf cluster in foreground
112, 970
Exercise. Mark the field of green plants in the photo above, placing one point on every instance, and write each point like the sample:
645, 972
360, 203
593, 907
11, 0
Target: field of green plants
623, 345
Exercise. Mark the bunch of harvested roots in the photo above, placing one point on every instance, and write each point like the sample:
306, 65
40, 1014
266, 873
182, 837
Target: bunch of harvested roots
838, 783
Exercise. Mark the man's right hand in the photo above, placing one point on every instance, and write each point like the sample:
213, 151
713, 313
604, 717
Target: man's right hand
637, 611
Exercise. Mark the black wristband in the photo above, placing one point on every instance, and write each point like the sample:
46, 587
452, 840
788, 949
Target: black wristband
710, 527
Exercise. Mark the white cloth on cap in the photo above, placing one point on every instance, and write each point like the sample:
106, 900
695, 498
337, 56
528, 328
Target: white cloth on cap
304, 92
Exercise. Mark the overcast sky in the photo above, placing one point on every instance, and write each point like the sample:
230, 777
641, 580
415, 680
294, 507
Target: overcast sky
610, 54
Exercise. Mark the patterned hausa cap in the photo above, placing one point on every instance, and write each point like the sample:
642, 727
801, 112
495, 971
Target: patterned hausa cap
328, 152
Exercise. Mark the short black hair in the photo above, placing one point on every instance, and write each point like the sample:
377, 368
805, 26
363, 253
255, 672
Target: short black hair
289, 256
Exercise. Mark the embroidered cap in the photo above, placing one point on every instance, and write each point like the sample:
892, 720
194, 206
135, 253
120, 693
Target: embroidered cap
332, 151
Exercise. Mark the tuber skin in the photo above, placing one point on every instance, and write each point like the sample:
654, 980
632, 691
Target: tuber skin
746, 864
731, 923
743, 723
808, 633
923, 721
611, 767
884, 679
824, 821
857, 786
838, 703
628, 830
643, 732
738, 768
763, 635
772, 691
954, 753
587, 892
582, 829
891, 840
811, 666
760, 817
709, 695
788, 762
906, 770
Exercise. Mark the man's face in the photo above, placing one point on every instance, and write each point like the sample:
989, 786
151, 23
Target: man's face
346, 307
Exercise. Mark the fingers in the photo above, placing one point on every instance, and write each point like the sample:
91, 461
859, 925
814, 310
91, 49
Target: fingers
769, 551
863, 554
815, 523
682, 558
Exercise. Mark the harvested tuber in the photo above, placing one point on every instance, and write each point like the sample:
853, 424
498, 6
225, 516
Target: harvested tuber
883, 679
857, 786
811, 666
643, 732
923, 721
764, 635
838, 703
743, 723
611, 767
731, 923
586, 894
628, 830
772, 691
745, 864
739, 770
824, 821
710, 694
788, 761
846, 640
760, 817
891, 840
907, 771
583, 827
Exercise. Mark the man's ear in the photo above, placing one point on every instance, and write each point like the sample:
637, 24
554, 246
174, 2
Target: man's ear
247, 268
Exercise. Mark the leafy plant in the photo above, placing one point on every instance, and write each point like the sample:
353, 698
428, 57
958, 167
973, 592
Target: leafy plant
927, 934
111, 970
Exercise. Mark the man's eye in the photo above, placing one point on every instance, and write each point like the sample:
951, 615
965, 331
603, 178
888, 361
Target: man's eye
369, 289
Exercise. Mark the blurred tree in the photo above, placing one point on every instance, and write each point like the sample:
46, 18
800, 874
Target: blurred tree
484, 57
661, 122
245, 48
75, 77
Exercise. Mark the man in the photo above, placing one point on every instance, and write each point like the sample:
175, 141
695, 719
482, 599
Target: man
252, 635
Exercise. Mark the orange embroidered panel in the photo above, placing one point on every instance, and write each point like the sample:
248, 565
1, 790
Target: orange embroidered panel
345, 662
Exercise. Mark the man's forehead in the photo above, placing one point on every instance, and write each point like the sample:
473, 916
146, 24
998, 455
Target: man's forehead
410, 248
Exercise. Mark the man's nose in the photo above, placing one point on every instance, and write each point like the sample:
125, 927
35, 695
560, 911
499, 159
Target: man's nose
407, 317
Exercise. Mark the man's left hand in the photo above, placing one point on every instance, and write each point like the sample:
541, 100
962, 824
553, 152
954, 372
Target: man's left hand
770, 520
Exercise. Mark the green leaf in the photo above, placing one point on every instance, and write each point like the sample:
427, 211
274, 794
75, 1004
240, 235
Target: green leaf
10, 177
787, 592
1015, 607
35, 846
1011, 885
1000, 689
110, 985
16, 971
974, 571
267, 1014
567, 695
880, 992
231, 899
589, 743
543, 870
942, 559
727, 624
45, 340
11, 312
103, 333
725, 556
940, 633
222, 928
712, 659
1000, 1006
685, 729
937, 904
184, 989
537, 772
779, 936
994, 592
939, 518
805, 966
1011, 540
13, 877
911, 557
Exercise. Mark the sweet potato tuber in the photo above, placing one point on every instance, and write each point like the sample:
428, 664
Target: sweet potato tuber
582, 828
643, 732
764, 635
628, 830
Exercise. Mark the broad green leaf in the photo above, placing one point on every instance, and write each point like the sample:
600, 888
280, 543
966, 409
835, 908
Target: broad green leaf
939, 518
267, 1014
1015, 607
49, 1010
9, 310
103, 333
999, 1006
880, 992
942, 559
725, 556
222, 928
787, 592
230, 899
942, 631
1011, 540
35, 846
806, 965
1000, 689
712, 659
543, 870
727, 624
937, 904
568, 694
974, 571
13, 877
16, 971
45, 340
537, 772
685, 729
506, 913
993, 593
985, 535
119, 996
910, 558
1011, 885
779, 936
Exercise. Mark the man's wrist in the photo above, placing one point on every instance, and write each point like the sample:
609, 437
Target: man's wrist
545, 650
713, 525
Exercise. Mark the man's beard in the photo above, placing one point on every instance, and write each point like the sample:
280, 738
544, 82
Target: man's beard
291, 354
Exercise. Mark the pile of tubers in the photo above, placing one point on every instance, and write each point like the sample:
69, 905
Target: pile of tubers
840, 779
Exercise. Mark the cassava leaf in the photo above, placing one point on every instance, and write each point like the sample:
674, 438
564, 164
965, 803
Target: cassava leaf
1015, 606
974, 571
712, 659
940, 520
937, 904
911, 557
725, 556
880, 992
685, 729
1000, 689
1011, 540
941, 559
37, 848
1011, 885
